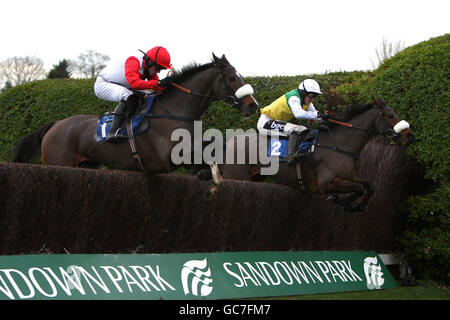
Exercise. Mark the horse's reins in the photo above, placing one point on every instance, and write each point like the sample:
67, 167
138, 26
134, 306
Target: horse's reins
190, 92
225, 99
335, 148
298, 166
131, 139
349, 125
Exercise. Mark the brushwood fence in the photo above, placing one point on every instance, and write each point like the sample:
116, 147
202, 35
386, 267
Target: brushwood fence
73, 210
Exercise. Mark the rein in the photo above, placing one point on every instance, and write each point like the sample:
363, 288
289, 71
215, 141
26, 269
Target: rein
337, 149
347, 125
389, 133
230, 100
189, 91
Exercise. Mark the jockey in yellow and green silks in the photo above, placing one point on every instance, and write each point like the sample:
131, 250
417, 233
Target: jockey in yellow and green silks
297, 103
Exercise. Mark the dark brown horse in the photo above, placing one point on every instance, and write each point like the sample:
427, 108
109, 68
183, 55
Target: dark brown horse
331, 167
72, 141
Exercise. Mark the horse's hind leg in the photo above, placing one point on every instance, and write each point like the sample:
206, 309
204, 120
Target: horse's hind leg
59, 154
369, 191
356, 188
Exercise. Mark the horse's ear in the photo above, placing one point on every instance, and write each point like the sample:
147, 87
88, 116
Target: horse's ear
215, 58
378, 102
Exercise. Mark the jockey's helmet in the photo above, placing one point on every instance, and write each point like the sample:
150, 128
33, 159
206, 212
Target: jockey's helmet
310, 86
160, 56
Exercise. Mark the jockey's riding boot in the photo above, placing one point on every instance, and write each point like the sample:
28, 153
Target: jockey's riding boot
294, 138
119, 114
132, 105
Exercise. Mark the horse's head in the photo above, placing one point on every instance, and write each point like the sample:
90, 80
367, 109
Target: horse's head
391, 126
230, 86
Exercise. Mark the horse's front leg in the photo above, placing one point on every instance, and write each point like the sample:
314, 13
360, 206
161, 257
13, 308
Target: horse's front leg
355, 187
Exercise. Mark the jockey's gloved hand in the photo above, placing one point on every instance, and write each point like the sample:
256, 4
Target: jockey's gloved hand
324, 116
165, 82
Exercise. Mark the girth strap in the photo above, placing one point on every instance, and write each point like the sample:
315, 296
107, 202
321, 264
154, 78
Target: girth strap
132, 142
301, 185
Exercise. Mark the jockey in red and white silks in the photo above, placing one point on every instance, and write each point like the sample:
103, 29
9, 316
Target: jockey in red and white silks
137, 72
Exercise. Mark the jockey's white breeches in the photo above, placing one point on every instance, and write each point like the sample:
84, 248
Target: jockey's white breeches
110, 91
267, 126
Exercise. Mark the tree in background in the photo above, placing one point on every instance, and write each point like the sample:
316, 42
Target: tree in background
6, 86
386, 51
60, 70
89, 64
20, 70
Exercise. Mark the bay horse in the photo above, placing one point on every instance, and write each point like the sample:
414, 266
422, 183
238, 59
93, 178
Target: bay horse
330, 169
72, 141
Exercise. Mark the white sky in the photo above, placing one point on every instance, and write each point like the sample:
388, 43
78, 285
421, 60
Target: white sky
259, 37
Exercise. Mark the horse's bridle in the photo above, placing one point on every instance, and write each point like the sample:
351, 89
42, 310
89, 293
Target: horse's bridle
231, 100
392, 134
389, 134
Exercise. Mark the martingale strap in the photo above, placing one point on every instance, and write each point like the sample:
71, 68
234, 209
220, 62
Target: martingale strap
338, 150
168, 116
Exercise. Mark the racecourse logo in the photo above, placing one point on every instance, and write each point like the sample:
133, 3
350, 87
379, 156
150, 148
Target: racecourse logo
196, 278
374, 275
73, 276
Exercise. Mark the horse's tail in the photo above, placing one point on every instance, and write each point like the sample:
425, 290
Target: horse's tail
29, 146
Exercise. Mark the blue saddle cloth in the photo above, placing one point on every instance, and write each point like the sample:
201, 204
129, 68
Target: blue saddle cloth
278, 147
104, 123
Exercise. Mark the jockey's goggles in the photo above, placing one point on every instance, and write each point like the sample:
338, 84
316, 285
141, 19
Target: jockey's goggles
159, 68
312, 95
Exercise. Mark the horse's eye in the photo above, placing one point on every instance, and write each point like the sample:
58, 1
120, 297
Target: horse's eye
390, 116
232, 78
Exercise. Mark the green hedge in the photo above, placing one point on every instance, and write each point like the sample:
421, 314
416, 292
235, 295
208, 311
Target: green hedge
267, 89
416, 83
27, 107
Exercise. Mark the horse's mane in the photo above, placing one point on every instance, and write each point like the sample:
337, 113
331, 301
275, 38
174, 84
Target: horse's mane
354, 110
186, 72
347, 113
189, 70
